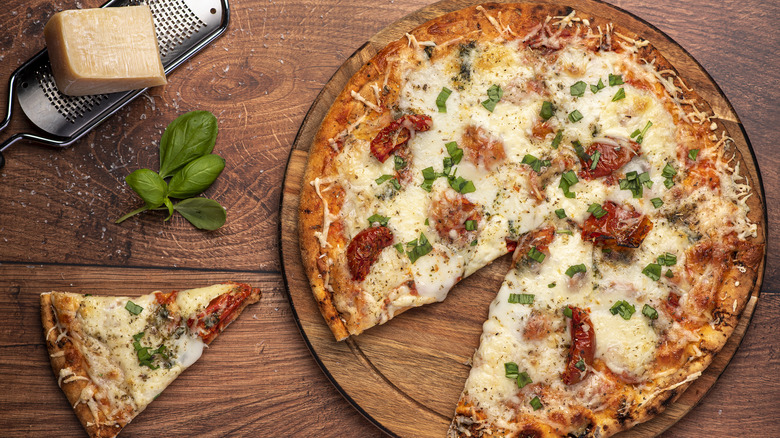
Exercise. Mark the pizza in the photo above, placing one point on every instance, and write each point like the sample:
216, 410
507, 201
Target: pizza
573, 145
113, 355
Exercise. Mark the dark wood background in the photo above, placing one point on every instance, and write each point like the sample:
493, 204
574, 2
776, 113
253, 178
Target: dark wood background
260, 78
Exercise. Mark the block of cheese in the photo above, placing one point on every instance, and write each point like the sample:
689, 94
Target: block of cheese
96, 51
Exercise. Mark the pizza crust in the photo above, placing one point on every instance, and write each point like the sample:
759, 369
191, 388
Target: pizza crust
69, 365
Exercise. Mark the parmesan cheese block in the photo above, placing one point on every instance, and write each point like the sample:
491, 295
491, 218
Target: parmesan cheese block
105, 50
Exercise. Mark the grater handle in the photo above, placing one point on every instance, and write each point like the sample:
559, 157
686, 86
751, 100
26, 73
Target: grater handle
7, 119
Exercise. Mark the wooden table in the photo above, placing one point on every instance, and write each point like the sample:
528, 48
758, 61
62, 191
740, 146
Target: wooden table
57, 226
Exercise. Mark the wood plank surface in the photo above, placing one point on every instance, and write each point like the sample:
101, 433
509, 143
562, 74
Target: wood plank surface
260, 78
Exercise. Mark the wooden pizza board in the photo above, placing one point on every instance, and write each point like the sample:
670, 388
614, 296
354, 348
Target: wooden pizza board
406, 376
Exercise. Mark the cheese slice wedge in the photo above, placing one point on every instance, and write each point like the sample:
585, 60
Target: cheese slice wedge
104, 50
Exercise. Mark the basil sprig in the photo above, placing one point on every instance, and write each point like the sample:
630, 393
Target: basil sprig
185, 158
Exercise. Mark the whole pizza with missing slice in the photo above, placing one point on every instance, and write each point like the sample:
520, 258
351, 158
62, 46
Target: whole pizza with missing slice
570, 143
112, 356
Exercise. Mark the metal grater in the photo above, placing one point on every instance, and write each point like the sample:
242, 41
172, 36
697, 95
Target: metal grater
183, 28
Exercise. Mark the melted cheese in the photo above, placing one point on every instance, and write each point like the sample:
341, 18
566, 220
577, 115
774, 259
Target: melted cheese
108, 331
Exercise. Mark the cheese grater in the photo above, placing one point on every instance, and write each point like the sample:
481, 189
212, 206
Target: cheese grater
183, 28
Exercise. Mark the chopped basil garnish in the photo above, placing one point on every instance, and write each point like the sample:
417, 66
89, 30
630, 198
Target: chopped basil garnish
474, 242
669, 273
382, 179
575, 116
429, 175
595, 157
547, 110
551, 285
426, 221
567, 312
145, 354
596, 210
535, 163
399, 162
640, 135
580, 151
569, 232
512, 371
391, 178
657, 202
578, 89
557, 140
667, 259
535, 254
561, 213
471, 225
653, 270
669, 172
523, 379
399, 247
536, 403
649, 312
598, 87
133, 308
576, 269
456, 153
621, 94
615, 80
634, 183
580, 365
494, 95
692, 154
568, 179
521, 298
623, 308
382, 220
441, 99
419, 247
461, 185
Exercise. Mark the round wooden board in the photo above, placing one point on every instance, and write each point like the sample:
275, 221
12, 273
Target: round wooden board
415, 366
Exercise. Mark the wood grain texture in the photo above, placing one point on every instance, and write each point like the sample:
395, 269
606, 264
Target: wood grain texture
260, 79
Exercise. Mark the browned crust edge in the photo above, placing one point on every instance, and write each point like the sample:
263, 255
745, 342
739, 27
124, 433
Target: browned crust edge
64, 355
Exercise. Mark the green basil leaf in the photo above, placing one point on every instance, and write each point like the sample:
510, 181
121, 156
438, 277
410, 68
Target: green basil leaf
578, 89
378, 218
441, 99
133, 308
621, 94
623, 308
149, 186
196, 176
203, 213
188, 137
557, 140
547, 110
649, 311
615, 80
168, 204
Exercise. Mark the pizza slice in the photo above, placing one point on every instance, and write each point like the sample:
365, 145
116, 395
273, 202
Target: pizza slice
113, 355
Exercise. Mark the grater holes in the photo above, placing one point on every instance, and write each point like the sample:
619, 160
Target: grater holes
174, 23
71, 108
